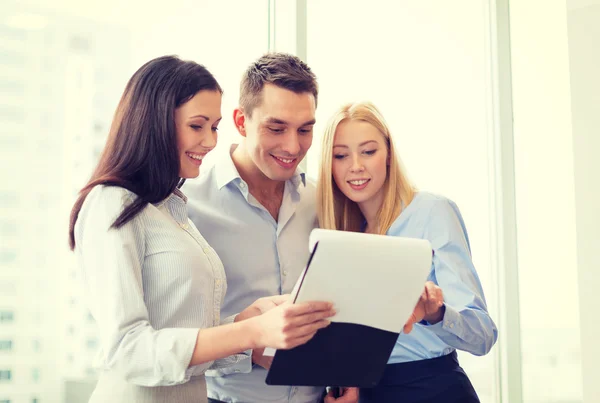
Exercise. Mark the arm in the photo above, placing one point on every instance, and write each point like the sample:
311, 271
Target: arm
111, 262
242, 362
465, 323
285, 326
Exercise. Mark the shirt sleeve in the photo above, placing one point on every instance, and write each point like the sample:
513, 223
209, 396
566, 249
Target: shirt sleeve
111, 261
234, 364
466, 324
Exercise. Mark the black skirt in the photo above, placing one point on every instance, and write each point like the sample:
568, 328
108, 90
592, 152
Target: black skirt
436, 380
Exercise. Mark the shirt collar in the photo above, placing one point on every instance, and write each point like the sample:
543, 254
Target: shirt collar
226, 172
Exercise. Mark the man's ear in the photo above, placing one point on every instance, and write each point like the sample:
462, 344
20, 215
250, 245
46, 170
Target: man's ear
239, 120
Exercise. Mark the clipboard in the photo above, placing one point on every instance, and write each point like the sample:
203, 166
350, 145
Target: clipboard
374, 282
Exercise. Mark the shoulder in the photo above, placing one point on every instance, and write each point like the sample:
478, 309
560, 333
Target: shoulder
108, 198
428, 203
429, 210
104, 204
440, 215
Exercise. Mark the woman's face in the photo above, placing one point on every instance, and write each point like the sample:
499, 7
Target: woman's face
196, 122
360, 161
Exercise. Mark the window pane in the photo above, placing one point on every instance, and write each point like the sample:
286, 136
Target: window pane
426, 66
61, 76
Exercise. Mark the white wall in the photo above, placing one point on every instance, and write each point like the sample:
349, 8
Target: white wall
584, 52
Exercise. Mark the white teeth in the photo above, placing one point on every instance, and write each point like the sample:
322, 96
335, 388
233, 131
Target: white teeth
195, 156
287, 161
358, 183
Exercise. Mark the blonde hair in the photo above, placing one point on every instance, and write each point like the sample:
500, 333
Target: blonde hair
334, 209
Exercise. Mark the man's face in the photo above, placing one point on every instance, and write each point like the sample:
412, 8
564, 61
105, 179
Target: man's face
280, 131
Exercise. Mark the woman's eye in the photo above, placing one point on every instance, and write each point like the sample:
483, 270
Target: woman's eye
338, 156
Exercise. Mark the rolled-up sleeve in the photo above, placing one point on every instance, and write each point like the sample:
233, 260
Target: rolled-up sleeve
467, 324
111, 261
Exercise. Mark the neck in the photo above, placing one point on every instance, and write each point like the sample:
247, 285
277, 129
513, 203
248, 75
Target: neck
251, 174
369, 209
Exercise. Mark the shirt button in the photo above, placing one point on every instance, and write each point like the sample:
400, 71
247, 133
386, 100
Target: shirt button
285, 272
451, 325
236, 370
242, 185
183, 225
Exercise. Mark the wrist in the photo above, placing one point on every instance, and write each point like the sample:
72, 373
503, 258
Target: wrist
436, 317
252, 330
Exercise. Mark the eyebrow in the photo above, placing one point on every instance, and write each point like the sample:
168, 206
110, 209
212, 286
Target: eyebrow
199, 116
283, 122
204, 117
360, 145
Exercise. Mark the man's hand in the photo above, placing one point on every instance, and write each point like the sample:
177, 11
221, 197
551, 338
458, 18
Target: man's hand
349, 395
259, 359
261, 306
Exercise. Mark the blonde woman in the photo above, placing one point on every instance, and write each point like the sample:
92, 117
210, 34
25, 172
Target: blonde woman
362, 187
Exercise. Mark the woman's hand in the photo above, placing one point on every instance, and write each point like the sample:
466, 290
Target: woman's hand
430, 307
289, 325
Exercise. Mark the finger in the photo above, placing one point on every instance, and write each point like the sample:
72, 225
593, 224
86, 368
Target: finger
329, 398
349, 396
407, 328
308, 307
295, 342
308, 318
307, 330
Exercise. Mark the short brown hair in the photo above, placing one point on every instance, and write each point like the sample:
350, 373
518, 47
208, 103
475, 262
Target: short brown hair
280, 69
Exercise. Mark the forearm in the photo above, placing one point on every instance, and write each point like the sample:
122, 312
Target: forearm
470, 330
223, 341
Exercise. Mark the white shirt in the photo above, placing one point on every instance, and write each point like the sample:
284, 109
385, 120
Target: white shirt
150, 285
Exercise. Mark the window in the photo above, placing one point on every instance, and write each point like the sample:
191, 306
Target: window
36, 346
5, 375
434, 94
8, 256
6, 345
6, 316
35, 375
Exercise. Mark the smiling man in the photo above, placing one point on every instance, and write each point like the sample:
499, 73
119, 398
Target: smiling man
256, 209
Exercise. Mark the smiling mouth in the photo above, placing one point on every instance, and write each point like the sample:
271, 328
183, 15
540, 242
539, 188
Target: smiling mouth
285, 162
358, 182
196, 158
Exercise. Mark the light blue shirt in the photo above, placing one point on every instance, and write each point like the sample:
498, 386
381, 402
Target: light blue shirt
466, 324
262, 257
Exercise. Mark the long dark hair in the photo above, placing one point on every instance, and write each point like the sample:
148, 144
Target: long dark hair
141, 150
